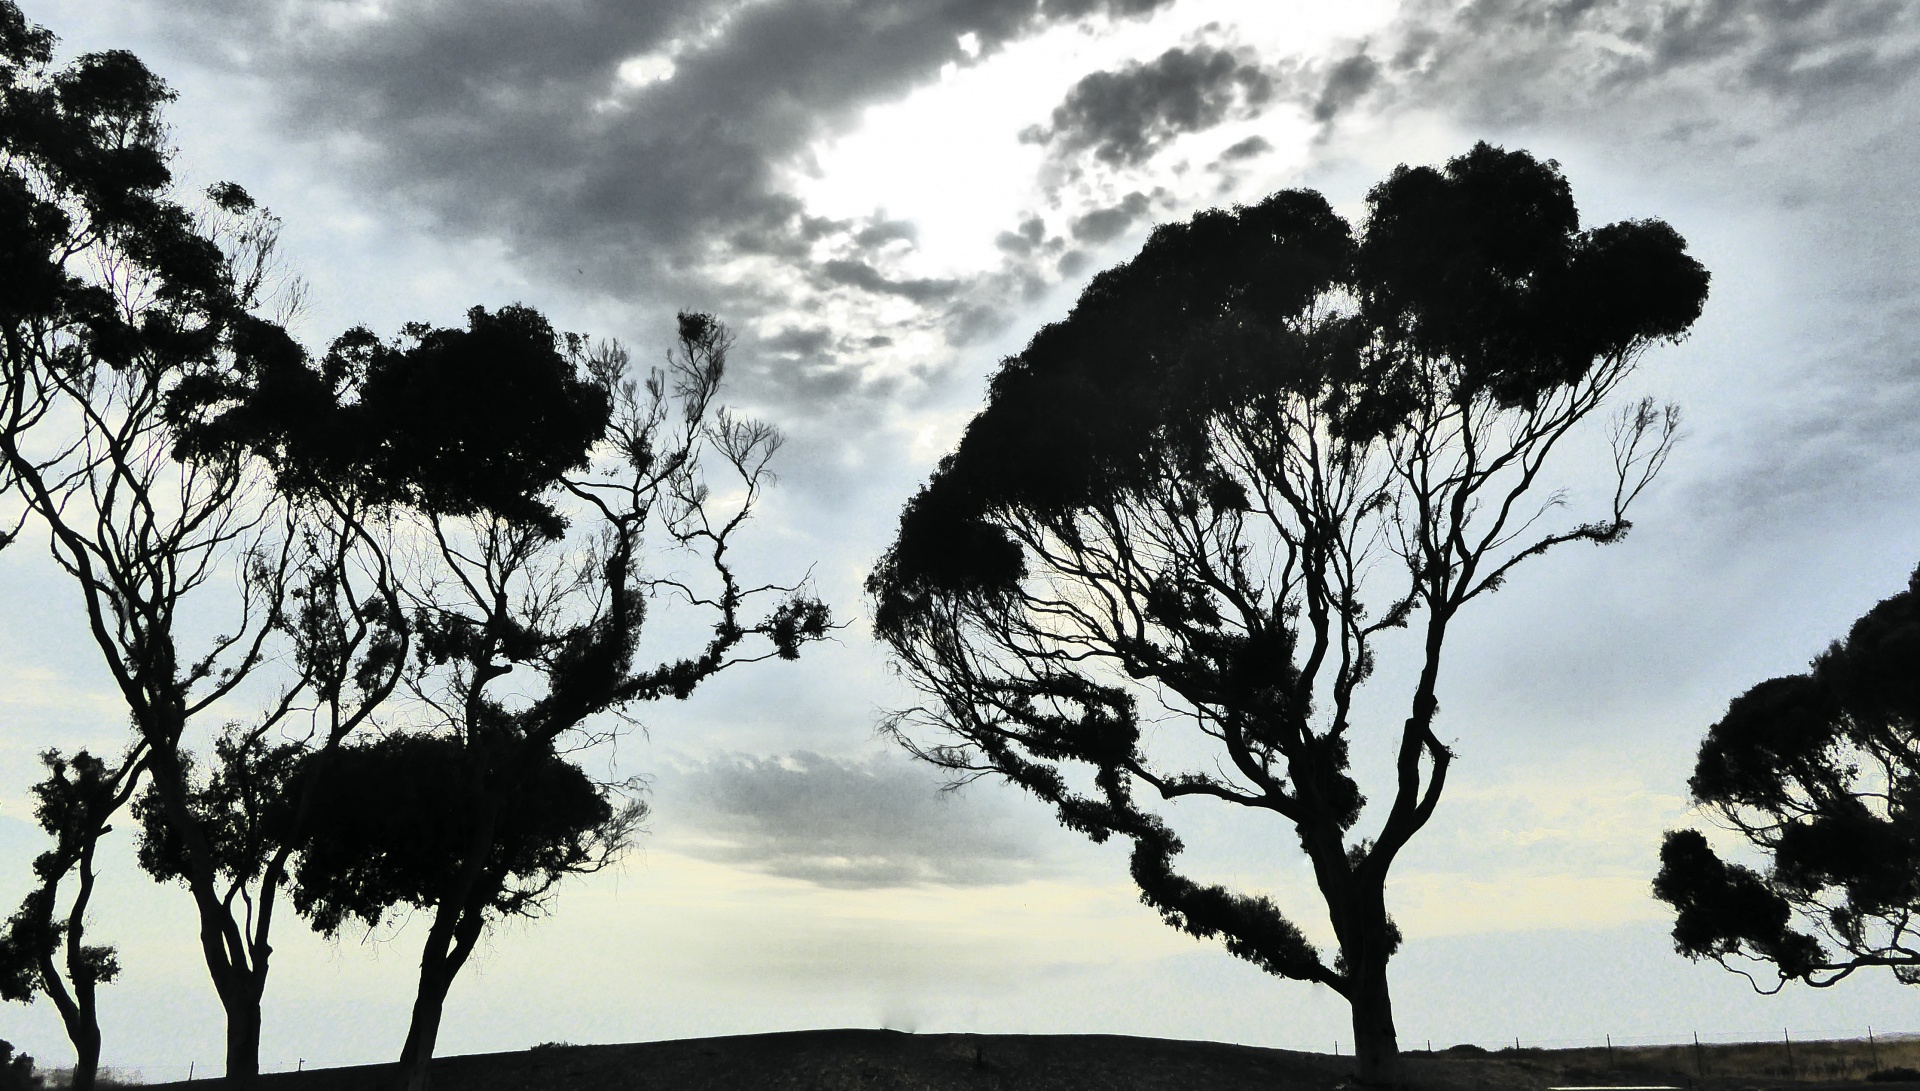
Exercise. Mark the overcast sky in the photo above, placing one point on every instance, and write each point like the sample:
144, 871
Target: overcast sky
883, 198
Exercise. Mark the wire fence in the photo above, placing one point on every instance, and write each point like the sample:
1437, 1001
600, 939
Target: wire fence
137, 1074
1819, 1053
1747, 1036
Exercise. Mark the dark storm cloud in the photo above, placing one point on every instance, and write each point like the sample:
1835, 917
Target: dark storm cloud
881, 822
512, 119
1126, 115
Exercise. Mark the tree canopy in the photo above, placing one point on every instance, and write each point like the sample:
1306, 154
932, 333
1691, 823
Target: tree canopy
1819, 773
393, 826
443, 420
1243, 456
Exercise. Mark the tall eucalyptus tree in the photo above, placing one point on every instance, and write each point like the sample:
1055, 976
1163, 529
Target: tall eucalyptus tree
1200, 500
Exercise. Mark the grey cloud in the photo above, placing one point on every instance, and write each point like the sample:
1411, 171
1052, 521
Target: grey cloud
1509, 60
1108, 223
859, 274
799, 341
1349, 79
507, 120
1249, 148
881, 232
975, 323
1124, 116
1031, 233
881, 822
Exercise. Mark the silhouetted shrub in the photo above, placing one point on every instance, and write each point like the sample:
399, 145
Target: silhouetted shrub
16, 1073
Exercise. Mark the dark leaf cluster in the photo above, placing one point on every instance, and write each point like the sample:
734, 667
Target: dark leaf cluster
240, 809
85, 168
1484, 263
396, 817
454, 422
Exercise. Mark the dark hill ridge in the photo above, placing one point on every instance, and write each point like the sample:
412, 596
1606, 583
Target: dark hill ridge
872, 1060
886, 1060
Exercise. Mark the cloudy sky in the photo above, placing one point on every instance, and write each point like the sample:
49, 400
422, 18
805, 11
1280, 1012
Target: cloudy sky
883, 198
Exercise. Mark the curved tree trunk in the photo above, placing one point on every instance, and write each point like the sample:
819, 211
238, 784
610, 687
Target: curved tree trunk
416, 1056
82, 1024
450, 941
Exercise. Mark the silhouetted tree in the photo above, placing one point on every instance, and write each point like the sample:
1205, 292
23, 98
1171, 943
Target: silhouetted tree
1242, 457
1820, 773
530, 469
43, 951
124, 317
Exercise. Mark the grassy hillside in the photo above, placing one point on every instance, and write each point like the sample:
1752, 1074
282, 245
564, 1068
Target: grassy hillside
881, 1060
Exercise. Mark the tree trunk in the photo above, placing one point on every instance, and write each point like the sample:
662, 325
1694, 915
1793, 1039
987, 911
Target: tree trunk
458, 919
86, 1057
243, 1040
416, 1057
221, 943
76, 1015
1376, 1046
456, 929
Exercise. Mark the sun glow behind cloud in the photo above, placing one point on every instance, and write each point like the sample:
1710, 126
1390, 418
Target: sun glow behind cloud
948, 158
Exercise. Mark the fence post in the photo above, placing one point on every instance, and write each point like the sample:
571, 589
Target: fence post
1699, 1065
1609, 1052
1788, 1038
190, 1064
1874, 1048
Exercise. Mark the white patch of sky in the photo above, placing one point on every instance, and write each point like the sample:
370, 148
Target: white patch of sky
648, 67
948, 157
659, 65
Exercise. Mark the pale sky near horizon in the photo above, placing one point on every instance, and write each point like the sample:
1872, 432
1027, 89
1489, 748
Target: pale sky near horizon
884, 197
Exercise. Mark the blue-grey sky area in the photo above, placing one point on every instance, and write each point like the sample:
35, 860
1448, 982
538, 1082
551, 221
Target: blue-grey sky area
885, 197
